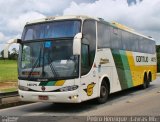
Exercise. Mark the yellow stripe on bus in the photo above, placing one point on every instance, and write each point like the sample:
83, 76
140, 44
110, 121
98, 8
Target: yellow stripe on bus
137, 72
59, 83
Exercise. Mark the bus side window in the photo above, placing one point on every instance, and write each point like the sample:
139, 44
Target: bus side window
103, 32
126, 40
85, 58
115, 38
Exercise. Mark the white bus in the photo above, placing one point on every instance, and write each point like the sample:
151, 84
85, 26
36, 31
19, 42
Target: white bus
77, 58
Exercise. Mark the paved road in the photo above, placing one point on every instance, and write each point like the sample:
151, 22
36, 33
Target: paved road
129, 102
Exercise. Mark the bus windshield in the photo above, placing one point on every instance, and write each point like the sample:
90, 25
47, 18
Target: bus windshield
48, 59
56, 29
46, 51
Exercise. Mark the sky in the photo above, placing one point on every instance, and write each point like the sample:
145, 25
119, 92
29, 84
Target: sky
142, 16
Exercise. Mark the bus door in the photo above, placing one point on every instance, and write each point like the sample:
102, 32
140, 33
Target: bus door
89, 74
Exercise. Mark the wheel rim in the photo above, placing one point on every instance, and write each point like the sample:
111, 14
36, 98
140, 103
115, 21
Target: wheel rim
103, 91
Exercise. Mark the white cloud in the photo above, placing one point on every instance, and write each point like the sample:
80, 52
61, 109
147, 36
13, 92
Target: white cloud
107, 9
143, 17
2, 37
17, 24
15, 13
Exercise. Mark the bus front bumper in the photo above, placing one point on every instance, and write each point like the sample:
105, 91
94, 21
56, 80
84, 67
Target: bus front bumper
57, 97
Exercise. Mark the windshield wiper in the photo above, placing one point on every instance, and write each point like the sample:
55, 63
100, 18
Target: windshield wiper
38, 60
35, 64
52, 67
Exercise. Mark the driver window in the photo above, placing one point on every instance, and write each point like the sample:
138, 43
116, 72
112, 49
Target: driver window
85, 59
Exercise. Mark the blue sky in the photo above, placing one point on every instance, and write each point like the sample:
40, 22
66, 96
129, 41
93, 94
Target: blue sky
143, 16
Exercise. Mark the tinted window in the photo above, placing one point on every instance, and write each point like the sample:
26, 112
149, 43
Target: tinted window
126, 42
103, 35
136, 44
89, 38
152, 47
116, 38
133, 42
146, 45
141, 44
85, 58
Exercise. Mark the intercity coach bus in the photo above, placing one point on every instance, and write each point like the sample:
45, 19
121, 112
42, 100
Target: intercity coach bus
77, 58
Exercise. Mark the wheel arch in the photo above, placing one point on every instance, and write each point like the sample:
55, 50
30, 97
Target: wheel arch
106, 79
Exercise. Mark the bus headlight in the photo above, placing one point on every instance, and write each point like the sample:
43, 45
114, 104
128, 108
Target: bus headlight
68, 88
23, 88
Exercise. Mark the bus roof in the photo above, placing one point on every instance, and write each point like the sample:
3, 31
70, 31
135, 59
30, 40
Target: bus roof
83, 17
123, 27
52, 18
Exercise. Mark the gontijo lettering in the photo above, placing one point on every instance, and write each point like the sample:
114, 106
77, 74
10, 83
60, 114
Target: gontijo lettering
141, 58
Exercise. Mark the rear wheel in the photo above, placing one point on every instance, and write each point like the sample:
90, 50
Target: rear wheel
145, 82
104, 93
149, 79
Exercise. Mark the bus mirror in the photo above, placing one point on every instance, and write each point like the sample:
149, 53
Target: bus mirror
77, 44
9, 43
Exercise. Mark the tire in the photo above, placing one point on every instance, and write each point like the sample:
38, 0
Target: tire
149, 79
104, 93
145, 82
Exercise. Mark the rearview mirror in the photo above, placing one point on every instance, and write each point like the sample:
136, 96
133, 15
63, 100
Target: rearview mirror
9, 43
77, 44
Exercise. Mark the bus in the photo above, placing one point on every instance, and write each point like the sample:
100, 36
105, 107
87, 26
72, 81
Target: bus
71, 59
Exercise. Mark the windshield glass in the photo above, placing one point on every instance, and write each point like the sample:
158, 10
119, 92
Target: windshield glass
55, 29
48, 59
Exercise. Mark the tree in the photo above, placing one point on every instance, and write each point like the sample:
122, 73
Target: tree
2, 54
14, 54
11, 56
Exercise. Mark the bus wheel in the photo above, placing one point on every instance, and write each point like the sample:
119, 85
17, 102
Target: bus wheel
149, 79
104, 93
145, 82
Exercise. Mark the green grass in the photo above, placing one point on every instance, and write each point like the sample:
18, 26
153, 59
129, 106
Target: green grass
8, 70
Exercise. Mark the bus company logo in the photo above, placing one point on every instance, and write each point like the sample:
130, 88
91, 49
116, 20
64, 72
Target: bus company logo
141, 58
43, 88
89, 89
31, 84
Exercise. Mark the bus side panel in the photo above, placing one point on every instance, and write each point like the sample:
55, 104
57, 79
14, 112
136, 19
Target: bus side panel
107, 68
123, 68
139, 64
131, 67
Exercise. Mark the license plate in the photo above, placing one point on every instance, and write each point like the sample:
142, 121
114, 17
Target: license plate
42, 97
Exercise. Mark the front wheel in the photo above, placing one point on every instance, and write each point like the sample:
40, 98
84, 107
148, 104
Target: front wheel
104, 93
